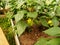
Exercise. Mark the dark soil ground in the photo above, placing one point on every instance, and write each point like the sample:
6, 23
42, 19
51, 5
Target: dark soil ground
29, 38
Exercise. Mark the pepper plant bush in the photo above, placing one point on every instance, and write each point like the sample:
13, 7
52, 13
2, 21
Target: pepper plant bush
41, 12
29, 12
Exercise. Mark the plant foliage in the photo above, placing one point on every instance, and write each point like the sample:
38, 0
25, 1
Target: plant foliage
44, 12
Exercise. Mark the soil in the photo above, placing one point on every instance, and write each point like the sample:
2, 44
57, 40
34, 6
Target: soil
30, 38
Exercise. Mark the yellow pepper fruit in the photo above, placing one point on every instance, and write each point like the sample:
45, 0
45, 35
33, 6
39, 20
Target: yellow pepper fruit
50, 22
30, 21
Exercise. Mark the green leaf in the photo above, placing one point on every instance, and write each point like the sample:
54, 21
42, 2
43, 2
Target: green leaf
21, 26
58, 11
41, 41
41, 2
44, 22
19, 16
51, 14
20, 3
55, 21
44, 41
55, 41
32, 14
48, 2
54, 31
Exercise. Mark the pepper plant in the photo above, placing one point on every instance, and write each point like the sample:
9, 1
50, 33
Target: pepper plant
30, 12
26, 13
